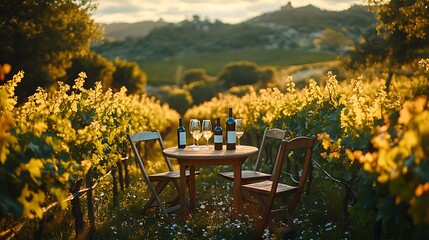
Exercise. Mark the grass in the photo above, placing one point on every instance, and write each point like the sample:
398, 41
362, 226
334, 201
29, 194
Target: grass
317, 216
168, 71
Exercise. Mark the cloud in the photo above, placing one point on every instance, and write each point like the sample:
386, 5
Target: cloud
118, 9
231, 11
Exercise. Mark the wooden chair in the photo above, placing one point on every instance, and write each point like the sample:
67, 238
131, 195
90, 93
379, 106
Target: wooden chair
248, 176
266, 191
162, 179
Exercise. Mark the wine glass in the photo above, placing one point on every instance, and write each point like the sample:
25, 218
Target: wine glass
190, 131
207, 131
196, 132
239, 131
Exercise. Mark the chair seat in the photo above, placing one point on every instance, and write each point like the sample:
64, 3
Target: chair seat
165, 176
270, 136
247, 175
264, 187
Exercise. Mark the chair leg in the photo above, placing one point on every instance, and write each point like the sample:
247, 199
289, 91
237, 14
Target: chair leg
155, 196
294, 202
177, 198
264, 212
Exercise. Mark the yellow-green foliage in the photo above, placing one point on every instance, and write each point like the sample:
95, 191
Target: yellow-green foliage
56, 138
350, 119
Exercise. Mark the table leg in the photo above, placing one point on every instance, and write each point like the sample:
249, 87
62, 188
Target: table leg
192, 187
237, 186
182, 193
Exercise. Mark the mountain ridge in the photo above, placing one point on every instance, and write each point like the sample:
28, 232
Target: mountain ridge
119, 31
305, 27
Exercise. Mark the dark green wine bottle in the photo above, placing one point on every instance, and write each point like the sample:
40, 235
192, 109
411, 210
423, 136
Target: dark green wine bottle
181, 135
230, 132
218, 137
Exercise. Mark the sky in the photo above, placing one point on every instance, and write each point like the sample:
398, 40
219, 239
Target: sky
228, 11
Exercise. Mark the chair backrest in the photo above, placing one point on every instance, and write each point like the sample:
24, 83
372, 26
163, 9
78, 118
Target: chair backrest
143, 137
302, 144
269, 133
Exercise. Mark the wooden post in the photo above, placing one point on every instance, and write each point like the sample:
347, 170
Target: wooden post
121, 178
91, 217
115, 188
127, 175
76, 210
38, 234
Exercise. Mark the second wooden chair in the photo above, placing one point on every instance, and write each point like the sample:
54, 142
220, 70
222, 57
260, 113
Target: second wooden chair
299, 148
256, 174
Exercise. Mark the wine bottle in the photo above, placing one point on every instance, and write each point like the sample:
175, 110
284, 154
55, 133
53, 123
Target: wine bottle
230, 132
181, 135
218, 138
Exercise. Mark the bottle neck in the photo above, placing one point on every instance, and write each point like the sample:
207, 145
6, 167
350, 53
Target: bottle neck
230, 112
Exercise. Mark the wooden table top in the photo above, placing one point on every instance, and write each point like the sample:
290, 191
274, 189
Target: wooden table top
202, 153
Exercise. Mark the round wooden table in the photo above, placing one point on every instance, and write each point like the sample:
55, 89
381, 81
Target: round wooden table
189, 157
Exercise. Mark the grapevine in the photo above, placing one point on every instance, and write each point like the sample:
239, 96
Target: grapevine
374, 141
358, 137
56, 138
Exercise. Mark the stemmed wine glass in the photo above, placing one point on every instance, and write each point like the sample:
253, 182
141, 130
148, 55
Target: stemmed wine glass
207, 131
190, 131
239, 131
196, 132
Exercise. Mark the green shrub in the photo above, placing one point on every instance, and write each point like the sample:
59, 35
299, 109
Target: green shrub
180, 100
243, 73
202, 91
130, 75
195, 74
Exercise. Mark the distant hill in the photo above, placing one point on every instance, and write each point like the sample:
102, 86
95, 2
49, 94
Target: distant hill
121, 31
307, 28
312, 19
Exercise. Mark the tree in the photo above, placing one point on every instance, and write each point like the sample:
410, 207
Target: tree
403, 32
372, 49
243, 73
130, 75
42, 38
202, 91
96, 67
410, 17
179, 99
195, 74
332, 40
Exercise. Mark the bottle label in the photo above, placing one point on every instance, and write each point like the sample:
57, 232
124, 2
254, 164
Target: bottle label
218, 139
182, 138
231, 137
